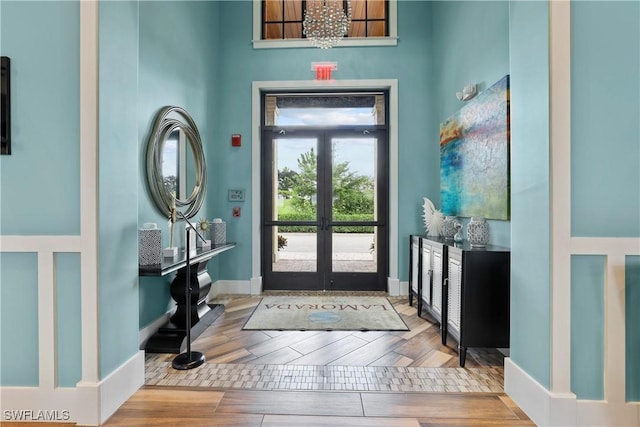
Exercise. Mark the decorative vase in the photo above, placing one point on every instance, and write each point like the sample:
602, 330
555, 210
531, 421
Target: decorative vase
218, 231
458, 236
478, 232
149, 245
449, 227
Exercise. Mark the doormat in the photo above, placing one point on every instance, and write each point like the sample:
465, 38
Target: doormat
325, 313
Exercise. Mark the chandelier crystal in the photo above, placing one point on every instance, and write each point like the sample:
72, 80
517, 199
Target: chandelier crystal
326, 21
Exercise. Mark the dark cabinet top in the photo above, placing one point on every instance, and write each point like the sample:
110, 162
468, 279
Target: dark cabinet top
171, 264
464, 245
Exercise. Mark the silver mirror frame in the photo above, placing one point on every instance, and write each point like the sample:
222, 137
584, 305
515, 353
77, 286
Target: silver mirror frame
168, 120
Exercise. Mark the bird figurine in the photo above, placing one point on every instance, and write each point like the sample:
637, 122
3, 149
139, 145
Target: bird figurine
433, 218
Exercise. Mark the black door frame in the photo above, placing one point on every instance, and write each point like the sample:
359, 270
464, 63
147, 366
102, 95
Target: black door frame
353, 281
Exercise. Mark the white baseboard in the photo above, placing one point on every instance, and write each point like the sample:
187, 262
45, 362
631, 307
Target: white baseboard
96, 402
552, 409
603, 413
393, 287
89, 404
256, 285
404, 288
241, 287
38, 404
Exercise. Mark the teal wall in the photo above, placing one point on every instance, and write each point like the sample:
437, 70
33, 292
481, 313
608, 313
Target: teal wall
117, 184
176, 68
410, 62
68, 311
530, 189
40, 181
587, 326
19, 319
605, 86
605, 157
476, 52
632, 331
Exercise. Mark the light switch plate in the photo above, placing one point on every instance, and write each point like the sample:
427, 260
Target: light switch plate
236, 195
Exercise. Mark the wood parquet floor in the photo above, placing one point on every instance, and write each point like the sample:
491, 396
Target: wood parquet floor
226, 342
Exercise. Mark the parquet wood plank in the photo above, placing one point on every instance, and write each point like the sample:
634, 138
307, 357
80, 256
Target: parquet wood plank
231, 420
163, 405
370, 335
415, 329
331, 352
242, 304
512, 405
247, 340
231, 356
416, 347
309, 421
434, 359
369, 352
279, 357
466, 422
284, 340
311, 344
426, 405
392, 359
213, 340
291, 403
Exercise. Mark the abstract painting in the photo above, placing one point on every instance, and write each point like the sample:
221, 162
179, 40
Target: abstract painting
474, 156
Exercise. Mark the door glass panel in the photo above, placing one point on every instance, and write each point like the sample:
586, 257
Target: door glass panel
296, 180
296, 249
353, 179
354, 249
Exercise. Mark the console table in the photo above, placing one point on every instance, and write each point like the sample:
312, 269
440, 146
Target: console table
171, 337
466, 290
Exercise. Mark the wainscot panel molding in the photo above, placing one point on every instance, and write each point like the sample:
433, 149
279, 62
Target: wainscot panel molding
546, 408
92, 401
558, 405
97, 401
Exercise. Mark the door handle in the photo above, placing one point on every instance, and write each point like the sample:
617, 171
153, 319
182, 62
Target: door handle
324, 223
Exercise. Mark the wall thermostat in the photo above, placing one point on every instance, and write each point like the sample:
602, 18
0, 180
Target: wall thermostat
236, 195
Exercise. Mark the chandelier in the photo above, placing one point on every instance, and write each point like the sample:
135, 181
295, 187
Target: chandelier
326, 21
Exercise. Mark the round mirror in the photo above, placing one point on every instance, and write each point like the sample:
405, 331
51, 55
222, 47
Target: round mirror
176, 168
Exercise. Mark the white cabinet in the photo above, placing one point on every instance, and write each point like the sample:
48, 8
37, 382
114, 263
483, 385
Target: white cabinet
428, 257
425, 274
414, 271
454, 283
437, 279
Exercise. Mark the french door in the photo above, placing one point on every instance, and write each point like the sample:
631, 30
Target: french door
325, 203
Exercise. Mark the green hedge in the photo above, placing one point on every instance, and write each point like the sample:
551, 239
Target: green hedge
298, 216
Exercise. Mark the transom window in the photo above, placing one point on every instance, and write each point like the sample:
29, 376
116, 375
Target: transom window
282, 19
